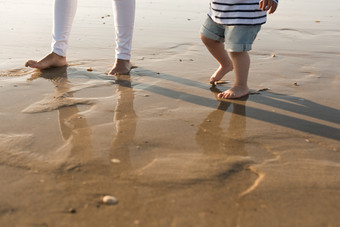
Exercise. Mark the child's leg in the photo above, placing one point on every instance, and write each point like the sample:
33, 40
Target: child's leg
64, 12
241, 63
239, 40
216, 48
124, 17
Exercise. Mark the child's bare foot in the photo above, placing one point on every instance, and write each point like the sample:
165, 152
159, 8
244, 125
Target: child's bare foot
121, 67
234, 93
51, 60
221, 72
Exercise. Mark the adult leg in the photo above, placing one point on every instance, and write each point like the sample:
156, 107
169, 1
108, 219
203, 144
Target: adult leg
217, 50
64, 12
241, 63
124, 17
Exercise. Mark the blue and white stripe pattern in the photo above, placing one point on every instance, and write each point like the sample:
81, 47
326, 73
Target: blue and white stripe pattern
237, 12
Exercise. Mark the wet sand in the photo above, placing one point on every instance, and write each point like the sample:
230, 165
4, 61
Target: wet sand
158, 140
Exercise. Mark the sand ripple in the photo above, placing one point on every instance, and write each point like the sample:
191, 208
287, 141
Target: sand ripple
15, 150
54, 103
191, 169
62, 97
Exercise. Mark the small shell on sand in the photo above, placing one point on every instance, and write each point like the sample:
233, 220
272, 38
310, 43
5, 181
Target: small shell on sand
263, 89
72, 210
115, 161
109, 200
89, 69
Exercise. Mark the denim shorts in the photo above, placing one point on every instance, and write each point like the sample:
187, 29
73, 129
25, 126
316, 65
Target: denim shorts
237, 38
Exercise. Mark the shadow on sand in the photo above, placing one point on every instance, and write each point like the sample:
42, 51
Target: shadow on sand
296, 105
307, 109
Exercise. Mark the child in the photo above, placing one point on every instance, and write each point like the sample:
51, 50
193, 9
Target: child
235, 22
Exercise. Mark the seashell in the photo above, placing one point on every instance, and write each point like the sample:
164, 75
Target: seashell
114, 160
263, 89
109, 200
72, 210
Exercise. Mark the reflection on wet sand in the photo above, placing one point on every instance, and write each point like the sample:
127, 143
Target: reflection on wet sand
218, 171
230, 143
73, 126
82, 178
75, 130
125, 120
215, 140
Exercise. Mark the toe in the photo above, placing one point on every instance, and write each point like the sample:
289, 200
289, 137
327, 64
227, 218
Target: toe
224, 95
31, 63
231, 96
227, 95
212, 79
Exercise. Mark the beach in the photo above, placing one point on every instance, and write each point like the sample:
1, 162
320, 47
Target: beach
159, 140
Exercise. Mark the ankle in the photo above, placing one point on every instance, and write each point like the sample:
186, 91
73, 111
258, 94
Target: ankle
57, 56
227, 66
122, 61
240, 85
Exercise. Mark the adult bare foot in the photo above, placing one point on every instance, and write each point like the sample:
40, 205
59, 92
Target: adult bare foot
235, 92
121, 67
51, 60
221, 72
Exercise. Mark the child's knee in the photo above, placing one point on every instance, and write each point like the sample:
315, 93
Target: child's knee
207, 41
203, 38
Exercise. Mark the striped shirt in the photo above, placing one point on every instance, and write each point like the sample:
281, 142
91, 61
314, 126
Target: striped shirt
237, 12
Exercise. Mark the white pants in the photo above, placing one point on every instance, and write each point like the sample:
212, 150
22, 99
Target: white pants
124, 17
